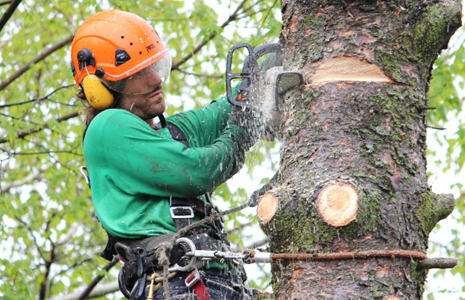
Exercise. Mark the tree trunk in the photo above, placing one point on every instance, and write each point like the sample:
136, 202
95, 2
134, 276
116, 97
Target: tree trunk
353, 166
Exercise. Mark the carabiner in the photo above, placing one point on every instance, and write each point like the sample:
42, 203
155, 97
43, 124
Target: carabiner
191, 253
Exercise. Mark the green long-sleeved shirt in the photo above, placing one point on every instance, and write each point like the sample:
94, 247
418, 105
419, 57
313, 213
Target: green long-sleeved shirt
134, 169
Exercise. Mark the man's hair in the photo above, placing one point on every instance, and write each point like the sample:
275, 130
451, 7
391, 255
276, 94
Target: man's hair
92, 112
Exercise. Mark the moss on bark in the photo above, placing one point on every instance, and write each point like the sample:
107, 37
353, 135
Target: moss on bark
371, 135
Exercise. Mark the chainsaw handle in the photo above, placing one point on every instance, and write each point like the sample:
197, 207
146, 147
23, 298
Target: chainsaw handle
250, 69
230, 75
267, 49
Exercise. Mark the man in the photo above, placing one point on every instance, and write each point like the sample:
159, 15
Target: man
150, 180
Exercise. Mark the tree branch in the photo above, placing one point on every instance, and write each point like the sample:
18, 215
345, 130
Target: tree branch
35, 60
269, 12
5, 2
98, 291
46, 152
19, 119
437, 263
24, 133
231, 18
97, 279
199, 74
37, 99
5, 187
9, 12
76, 264
48, 266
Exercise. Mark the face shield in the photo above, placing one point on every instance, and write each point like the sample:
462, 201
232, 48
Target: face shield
145, 81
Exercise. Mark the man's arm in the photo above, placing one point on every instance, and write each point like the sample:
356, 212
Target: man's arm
143, 160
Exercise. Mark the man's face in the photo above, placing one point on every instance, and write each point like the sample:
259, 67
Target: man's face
143, 94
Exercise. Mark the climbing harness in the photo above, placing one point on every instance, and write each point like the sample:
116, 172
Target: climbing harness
141, 259
145, 260
140, 256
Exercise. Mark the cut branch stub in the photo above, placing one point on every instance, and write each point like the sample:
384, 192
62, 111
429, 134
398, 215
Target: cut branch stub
337, 204
267, 208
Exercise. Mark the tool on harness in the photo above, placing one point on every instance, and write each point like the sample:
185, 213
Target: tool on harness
152, 288
138, 264
268, 76
141, 265
192, 254
141, 258
192, 281
158, 279
191, 263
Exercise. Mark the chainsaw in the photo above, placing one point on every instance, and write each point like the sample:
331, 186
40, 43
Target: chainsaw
268, 77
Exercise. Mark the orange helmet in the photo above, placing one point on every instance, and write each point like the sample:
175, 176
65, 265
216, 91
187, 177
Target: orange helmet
114, 44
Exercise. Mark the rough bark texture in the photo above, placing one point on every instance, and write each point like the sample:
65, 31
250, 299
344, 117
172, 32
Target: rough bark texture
367, 128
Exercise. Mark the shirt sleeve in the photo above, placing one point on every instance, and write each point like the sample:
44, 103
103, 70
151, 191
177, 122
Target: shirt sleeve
204, 125
139, 159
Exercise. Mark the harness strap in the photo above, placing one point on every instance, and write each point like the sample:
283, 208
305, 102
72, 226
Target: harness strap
194, 281
183, 210
177, 134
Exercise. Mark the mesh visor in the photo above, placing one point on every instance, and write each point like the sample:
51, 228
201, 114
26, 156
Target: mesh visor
145, 81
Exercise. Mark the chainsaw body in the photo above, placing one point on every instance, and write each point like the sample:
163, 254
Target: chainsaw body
267, 79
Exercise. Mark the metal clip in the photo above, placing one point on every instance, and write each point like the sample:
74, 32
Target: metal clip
152, 287
190, 253
83, 171
189, 209
174, 213
192, 278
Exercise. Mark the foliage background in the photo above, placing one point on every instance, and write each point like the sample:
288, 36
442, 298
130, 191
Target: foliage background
50, 240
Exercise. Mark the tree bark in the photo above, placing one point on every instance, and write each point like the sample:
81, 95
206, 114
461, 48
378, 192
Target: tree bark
359, 122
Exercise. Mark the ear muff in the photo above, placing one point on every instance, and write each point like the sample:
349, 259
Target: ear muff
97, 94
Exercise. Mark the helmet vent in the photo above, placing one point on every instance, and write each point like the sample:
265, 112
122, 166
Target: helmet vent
121, 56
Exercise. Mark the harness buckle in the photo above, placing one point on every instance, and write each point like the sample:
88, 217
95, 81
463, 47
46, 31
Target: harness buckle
182, 212
192, 278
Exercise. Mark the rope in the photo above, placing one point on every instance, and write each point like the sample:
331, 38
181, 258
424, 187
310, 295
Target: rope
350, 255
